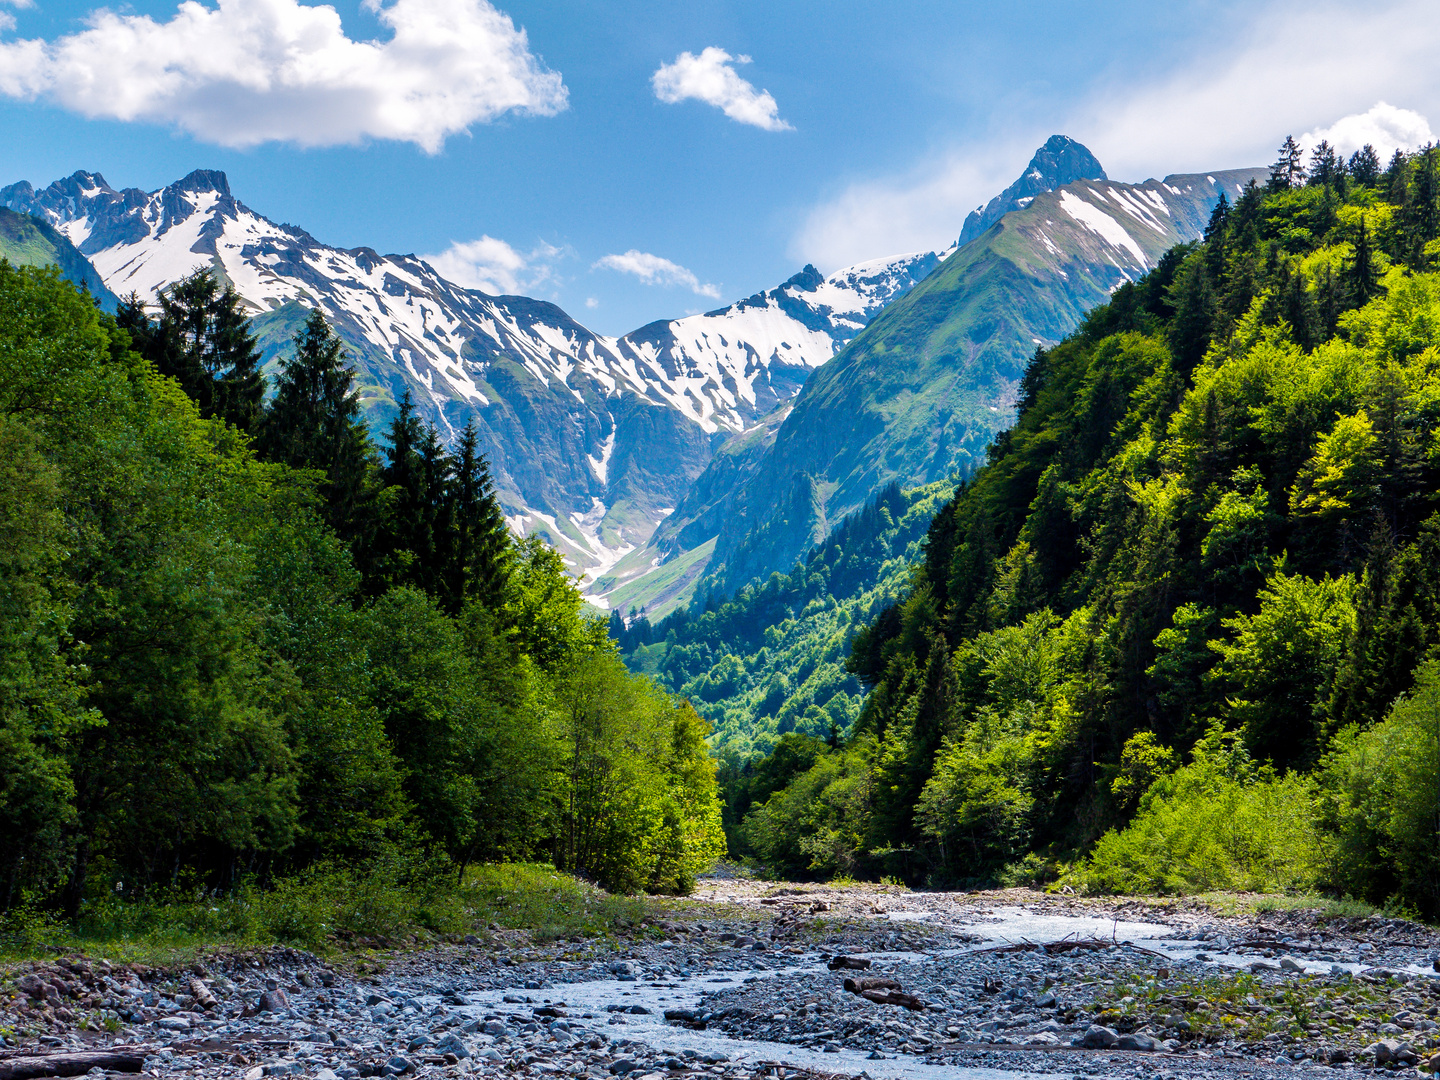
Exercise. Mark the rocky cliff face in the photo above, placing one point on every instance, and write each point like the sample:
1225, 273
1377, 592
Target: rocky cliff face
594, 440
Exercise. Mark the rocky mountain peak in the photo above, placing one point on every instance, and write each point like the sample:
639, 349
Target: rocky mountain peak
203, 180
1060, 161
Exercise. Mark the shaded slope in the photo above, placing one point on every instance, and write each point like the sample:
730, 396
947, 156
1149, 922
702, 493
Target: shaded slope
27, 241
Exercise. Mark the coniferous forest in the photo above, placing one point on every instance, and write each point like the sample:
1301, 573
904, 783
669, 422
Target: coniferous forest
241, 642
1180, 631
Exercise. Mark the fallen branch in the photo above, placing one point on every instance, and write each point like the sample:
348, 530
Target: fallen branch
129, 1059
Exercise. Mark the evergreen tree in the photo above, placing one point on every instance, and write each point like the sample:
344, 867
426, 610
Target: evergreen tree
1287, 171
406, 544
1214, 241
480, 568
1360, 276
1325, 166
203, 342
1420, 216
1193, 298
1365, 166
314, 423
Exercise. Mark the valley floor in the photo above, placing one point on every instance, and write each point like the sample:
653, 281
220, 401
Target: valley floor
748, 979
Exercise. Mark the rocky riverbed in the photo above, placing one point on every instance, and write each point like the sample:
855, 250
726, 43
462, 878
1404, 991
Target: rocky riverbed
752, 980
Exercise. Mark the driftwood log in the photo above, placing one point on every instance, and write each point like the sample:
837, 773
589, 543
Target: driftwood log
203, 997
894, 997
856, 986
125, 1059
847, 963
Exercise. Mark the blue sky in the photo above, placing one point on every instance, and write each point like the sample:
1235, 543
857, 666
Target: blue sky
565, 167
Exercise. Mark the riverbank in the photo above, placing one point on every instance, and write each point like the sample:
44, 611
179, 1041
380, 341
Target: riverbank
744, 978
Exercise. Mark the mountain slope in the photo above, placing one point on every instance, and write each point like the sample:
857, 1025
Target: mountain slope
28, 241
593, 440
919, 394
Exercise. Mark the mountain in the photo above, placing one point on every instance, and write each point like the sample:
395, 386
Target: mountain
919, 394
28, 241
593, 440
1060, 161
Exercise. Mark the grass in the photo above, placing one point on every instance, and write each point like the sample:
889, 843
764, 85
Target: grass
333, 912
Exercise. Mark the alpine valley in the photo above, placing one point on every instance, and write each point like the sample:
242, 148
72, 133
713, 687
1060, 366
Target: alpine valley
693, 453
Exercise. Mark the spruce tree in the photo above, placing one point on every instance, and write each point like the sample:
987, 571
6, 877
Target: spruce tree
1360, 276
480, 566
1365, 166
1287, 170
314, 423
203, 341
1325, 166
1195, 306
405, 542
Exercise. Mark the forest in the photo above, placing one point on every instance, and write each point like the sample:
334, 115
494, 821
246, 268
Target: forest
241, 643
1180, 631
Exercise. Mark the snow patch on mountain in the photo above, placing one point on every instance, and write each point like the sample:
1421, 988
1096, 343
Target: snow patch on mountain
547, 393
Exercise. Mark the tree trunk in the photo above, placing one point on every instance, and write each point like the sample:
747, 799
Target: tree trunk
129, 1059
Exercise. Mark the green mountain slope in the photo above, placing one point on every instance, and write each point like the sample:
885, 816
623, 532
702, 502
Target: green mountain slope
919, 394
771, 660
27, 241
1195, 591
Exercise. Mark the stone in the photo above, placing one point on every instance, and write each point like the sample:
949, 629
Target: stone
273, 1000
453, 1044
1388, 1050
1046, 1000
400, 1064
623, 1066
173, 1023
1286, 964
875, 1055
1098, 1037
1137, 1041
420, 1042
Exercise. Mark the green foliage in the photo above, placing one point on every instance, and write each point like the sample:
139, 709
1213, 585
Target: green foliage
1208, 538
771, 660
1382, 800
1219, 823
219, 672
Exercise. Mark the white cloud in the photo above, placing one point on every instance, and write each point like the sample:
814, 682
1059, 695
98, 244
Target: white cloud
246, 72
1294, 67
493, 266
1384, 127
591, 302
7, 21
710, 78
653, 270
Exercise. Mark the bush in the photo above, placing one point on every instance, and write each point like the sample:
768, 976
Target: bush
1381, 799
1218, 823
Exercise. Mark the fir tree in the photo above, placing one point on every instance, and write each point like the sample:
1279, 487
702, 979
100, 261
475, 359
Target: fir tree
1360, 276
1365, 166
406, 543
481, 565
314, 423
1325, 166
203, 341
1287, 171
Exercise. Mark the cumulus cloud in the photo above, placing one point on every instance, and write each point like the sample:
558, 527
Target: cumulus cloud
246, 72
710, 78
1384, 127
653, 270
493, 266
1294, 67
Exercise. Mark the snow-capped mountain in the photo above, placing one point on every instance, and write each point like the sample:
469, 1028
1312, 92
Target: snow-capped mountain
593, 440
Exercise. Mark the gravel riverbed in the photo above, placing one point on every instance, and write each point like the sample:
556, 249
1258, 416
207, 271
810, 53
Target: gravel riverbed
750, 980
